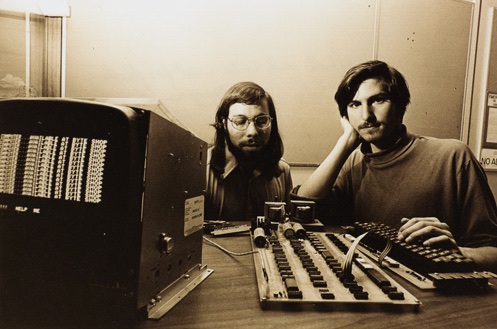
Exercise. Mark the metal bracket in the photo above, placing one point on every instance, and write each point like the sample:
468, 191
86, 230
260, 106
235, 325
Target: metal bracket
176, 291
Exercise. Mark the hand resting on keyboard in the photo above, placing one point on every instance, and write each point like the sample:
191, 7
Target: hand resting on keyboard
429, 231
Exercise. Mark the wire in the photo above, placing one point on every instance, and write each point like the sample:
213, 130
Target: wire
349, 257
385, 252
228, 251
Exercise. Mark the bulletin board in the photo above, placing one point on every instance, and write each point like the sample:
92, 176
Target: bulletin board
490, 128
488, 155
489, 143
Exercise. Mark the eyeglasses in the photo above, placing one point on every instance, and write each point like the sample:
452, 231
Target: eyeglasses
241, 122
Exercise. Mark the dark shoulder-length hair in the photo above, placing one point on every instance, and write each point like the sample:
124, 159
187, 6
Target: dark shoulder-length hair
394, 82
248, 93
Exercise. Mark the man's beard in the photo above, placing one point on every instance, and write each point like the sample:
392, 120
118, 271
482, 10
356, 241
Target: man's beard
243, 157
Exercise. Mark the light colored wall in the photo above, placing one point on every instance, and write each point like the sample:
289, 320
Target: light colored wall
300, 174
188, 52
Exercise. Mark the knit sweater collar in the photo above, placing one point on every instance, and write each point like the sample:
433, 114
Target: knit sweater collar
403, 143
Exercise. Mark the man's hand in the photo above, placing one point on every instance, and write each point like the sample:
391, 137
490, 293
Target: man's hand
350, 134
430, 230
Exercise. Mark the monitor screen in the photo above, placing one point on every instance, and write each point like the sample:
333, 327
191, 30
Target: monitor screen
67, 166
100, 201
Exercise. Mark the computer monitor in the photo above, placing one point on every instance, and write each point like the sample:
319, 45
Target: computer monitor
99, 203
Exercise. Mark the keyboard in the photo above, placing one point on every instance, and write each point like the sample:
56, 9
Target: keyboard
445, 267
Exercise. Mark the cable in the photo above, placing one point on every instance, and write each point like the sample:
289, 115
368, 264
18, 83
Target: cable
385, 252
349, 257
228, 251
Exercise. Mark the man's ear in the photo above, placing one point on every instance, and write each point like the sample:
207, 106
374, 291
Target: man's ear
220, 125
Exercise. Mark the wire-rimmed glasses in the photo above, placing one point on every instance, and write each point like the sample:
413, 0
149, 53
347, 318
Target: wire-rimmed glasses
241, 122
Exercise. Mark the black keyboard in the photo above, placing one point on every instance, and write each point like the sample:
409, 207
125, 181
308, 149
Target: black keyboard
442, 266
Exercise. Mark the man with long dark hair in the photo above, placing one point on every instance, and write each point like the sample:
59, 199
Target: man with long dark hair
429, 188
246, 168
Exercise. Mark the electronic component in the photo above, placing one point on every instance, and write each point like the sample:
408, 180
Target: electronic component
98, 203
309, 271
210, 225
300, 231
262, 222
259, 237
226, 230
275, 211
303, 211
422, 265
288, 230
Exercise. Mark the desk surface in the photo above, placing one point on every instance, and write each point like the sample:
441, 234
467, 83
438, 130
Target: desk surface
229, 298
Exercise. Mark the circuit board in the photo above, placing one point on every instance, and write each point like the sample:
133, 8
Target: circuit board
316, 270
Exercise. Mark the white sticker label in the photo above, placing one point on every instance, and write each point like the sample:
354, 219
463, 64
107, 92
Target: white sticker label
194, 214
488, 159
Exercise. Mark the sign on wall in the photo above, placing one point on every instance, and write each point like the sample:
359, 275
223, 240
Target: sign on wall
488, 158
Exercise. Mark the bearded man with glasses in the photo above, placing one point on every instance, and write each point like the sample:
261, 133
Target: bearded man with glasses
245, 167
